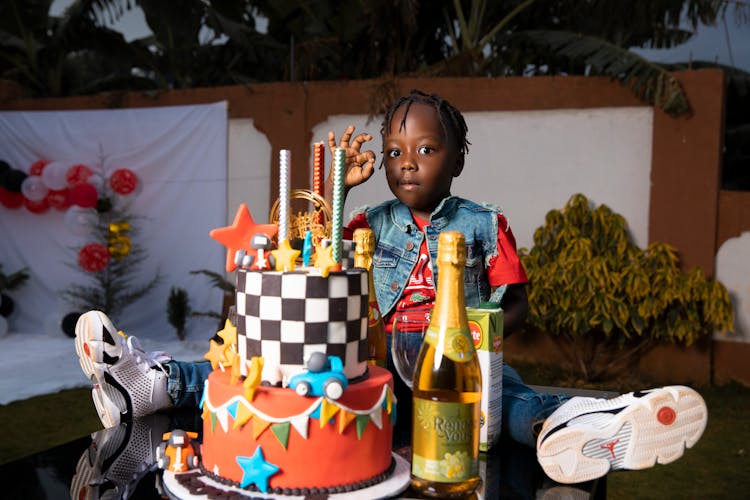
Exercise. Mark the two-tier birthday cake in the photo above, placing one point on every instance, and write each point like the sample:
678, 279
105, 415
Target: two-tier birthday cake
292, 407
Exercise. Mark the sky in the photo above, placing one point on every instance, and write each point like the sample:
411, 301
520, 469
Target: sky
725, 43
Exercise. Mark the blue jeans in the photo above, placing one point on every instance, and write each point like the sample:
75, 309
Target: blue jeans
523, 409
185, 382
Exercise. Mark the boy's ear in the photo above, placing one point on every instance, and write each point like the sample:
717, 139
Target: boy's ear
459, 166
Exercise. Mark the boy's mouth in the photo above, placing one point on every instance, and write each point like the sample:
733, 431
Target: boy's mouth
408, 184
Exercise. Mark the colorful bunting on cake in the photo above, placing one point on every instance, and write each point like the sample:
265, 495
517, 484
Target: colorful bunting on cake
322, 408
377, 418
345, 418
327, 411
213, 421
362, 421
256, 470
223, 418
281, 431
300, 424
243, 415
259, 426
232, 409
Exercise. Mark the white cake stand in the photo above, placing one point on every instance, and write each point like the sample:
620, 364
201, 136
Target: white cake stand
395, 484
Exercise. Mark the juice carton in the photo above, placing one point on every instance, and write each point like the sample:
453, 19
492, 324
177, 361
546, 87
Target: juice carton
486, 325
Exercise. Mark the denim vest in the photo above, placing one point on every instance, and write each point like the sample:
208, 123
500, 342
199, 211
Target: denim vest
398, 241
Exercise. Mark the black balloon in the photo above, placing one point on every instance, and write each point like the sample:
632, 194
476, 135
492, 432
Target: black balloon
12, 180
69, 323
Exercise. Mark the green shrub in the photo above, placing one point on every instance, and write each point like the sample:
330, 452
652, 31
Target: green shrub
593, 289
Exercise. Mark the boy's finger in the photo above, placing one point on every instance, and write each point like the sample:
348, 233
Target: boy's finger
346, 136
360, 139
331, 141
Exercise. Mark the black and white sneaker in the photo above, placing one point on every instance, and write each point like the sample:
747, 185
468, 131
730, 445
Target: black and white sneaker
127, 381
586, 437
118, 458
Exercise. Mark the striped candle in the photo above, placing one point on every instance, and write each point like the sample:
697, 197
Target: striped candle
318, 157
317, 180
337, 203
285, 160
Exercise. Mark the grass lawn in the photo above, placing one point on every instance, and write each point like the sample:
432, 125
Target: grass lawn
718, 466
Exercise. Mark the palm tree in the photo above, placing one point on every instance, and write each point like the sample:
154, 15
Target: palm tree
207, 43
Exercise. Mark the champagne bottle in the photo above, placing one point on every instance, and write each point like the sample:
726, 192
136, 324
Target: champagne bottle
364, 241
447, 387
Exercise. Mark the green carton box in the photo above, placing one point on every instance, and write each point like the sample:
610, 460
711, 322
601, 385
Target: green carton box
486, 325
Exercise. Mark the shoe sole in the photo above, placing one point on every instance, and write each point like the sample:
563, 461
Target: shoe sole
88, 476
110, 399
654, 429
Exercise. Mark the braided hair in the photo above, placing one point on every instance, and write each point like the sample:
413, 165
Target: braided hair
451, 119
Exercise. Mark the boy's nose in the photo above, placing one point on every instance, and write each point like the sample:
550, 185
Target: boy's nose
408, 163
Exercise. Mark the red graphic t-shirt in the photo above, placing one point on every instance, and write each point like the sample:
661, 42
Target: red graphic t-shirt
413, 308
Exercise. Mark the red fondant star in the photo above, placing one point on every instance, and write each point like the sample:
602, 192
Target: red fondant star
238, 235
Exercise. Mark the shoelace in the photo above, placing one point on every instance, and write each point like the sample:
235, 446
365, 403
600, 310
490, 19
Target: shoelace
151, 359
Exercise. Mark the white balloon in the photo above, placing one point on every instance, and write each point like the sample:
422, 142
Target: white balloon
3, 326
53, 175
97, 181
33, 188
80, 221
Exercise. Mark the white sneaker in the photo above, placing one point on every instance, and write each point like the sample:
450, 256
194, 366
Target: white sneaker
118, 458
586, 437
128, 382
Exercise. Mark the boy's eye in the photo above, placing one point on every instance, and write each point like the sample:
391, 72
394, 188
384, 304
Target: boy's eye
393, 153
423, 150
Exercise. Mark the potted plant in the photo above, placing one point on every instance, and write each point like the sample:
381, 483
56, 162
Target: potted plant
606, 300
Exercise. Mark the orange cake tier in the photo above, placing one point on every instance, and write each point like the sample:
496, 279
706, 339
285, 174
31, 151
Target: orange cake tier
280, 441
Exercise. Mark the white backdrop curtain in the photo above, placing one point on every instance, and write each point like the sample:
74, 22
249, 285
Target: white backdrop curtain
179, 155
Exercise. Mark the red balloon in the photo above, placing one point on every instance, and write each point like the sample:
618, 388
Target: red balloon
93, 257
37, 167
58, 199
123, 181
84, 195
9, 199
36, 207
78, 174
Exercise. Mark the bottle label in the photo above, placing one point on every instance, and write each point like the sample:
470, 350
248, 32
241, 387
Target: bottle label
444, 438
458, 346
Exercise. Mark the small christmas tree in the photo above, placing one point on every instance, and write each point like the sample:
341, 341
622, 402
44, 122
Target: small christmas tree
112, 258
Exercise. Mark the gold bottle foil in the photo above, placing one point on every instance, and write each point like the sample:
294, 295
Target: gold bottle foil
364, 250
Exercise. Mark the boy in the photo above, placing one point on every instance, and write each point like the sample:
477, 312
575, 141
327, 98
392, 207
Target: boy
424, 147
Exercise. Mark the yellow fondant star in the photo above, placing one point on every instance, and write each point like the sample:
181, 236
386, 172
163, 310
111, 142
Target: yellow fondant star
254, 376
285, 256
324, 261
215, 354
228, 334
240, 233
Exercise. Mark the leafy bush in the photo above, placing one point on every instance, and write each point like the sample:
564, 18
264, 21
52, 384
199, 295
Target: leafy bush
594, 289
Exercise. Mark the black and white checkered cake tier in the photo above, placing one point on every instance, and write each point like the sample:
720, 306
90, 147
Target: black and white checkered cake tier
286, 316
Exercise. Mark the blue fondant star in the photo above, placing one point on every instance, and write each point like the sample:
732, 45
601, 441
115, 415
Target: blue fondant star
256, 470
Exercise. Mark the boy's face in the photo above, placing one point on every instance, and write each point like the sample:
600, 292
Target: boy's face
420, 161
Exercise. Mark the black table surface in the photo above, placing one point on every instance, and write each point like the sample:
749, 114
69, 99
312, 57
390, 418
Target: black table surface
509, 470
